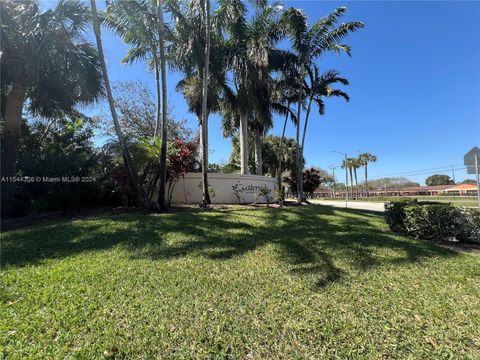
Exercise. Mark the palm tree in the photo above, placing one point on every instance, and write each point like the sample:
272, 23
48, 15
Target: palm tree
162, 202
309, 43
251, 54
365, 159
355, 163
349, 164
136, 22
31, 69
190, 41
132, 171
320, 87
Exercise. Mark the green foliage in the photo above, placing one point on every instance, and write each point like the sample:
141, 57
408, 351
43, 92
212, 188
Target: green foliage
59, 149
312, 179
468, 225
266, 194
439, 180
433, 221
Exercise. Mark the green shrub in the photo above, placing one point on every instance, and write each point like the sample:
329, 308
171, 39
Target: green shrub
434, 222
468, 225
395, 214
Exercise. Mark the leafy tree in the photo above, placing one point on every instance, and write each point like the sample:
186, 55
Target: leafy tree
31, 68
181, 159
365, 159
439, 180
392, 183
469, 181
58, 150
312, 179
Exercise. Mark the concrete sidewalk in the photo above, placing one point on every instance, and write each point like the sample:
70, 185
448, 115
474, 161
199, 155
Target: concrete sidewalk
362, 205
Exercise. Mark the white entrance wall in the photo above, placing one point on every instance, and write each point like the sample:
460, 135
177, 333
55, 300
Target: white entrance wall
189, 188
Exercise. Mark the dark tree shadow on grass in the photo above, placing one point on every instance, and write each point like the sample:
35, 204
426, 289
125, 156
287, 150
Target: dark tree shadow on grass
311, 240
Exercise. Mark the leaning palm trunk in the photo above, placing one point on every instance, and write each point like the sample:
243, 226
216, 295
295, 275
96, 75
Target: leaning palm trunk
258, 153
132, 171
11, 132
243, 142
162, 203
298, 161
280, 157
307, 115
204, 124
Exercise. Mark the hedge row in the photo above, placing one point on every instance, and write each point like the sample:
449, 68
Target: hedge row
434, 221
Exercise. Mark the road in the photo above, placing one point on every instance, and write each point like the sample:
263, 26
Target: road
362, 205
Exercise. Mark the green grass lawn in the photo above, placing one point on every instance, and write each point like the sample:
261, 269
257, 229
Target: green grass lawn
291, 283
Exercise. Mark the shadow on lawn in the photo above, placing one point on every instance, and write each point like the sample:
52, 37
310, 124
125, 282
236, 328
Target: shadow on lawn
311, 240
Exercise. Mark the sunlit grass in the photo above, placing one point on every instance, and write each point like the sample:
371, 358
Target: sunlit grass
289, 283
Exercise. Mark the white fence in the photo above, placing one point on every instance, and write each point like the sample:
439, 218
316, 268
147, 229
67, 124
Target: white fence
228, 188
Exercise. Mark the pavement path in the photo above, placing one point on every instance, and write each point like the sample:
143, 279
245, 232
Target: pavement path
362, 205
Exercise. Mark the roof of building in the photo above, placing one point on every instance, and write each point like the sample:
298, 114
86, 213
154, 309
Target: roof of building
463, 187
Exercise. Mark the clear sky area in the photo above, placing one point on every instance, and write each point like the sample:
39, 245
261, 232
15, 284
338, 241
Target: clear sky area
414, 86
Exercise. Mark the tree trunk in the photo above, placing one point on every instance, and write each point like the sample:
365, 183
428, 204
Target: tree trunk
298, 160
132, 171
366, 180
351, 181
204, 133
356, 182
159, 110
11, 133
306, 123
280, 155
162, 203
258, 153
243, 143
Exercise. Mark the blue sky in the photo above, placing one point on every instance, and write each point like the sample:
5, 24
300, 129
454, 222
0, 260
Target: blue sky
414, 87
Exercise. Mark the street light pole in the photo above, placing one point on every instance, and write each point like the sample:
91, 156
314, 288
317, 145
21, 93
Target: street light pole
478, 180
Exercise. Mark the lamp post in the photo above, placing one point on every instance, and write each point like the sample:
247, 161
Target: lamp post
346, 176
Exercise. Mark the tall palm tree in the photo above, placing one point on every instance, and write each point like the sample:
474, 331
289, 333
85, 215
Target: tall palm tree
136, 22
349, 165
132, 171
162, 201
309, 43
319, 88
252, 49
365, 159
355, 163
191, 41
31, 69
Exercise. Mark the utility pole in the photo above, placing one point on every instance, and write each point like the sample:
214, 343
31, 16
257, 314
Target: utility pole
333, 167
346, 176
478, 180
453, 175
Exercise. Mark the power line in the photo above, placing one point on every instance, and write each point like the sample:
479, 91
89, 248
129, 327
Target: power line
425, 172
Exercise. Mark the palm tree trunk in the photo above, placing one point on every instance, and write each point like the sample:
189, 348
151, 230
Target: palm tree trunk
204, 133
306, 122
280, 155
366, 180
162, 203
243, 142
351, 181
132, 171
258, 153
298, 161
159, 111
356, 182
11, 133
